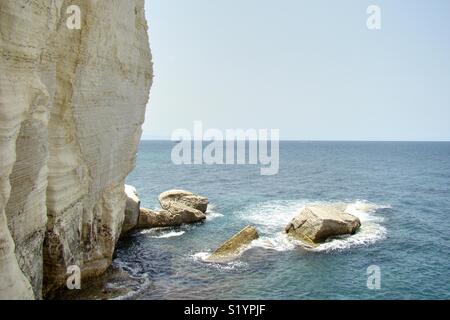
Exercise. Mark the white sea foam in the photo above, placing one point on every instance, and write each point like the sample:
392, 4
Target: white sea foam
277, 242
271, 217
230, 265
370, 232
211, 213
170, 234
162, 233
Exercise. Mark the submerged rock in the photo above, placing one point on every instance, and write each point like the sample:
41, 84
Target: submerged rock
181, 197
233, 247
315, 224
132, 209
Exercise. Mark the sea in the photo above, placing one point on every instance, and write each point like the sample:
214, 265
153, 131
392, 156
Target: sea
399, 190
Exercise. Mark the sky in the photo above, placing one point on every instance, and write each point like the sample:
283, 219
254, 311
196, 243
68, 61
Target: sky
310, 68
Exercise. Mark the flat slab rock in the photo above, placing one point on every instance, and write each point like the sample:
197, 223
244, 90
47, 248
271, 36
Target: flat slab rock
232, 248
315, 224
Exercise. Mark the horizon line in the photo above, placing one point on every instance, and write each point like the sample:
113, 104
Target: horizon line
295, 140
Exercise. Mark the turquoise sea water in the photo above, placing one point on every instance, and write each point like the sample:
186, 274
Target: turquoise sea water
400, 191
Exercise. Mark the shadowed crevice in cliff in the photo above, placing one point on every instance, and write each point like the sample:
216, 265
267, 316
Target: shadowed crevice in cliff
26, 206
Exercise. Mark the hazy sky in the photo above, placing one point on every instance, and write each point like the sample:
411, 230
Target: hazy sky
309, 68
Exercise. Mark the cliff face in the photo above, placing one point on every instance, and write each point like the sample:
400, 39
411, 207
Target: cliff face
72, 103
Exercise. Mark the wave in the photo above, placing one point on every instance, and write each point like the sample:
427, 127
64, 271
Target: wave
227, 266
170, 234
211, 213
162, 233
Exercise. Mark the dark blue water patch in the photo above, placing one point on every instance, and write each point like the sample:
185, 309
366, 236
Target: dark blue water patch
142, 257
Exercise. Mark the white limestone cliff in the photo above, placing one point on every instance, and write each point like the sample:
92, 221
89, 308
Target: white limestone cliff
72, 103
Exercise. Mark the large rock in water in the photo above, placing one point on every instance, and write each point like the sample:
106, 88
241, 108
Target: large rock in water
315, 224
182, 213
233, 247
178, 207
181, 197
72, 103
177, 216
132, 210
154, 219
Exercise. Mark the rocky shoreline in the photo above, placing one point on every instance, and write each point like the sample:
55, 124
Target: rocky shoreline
311, 226
178, 207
